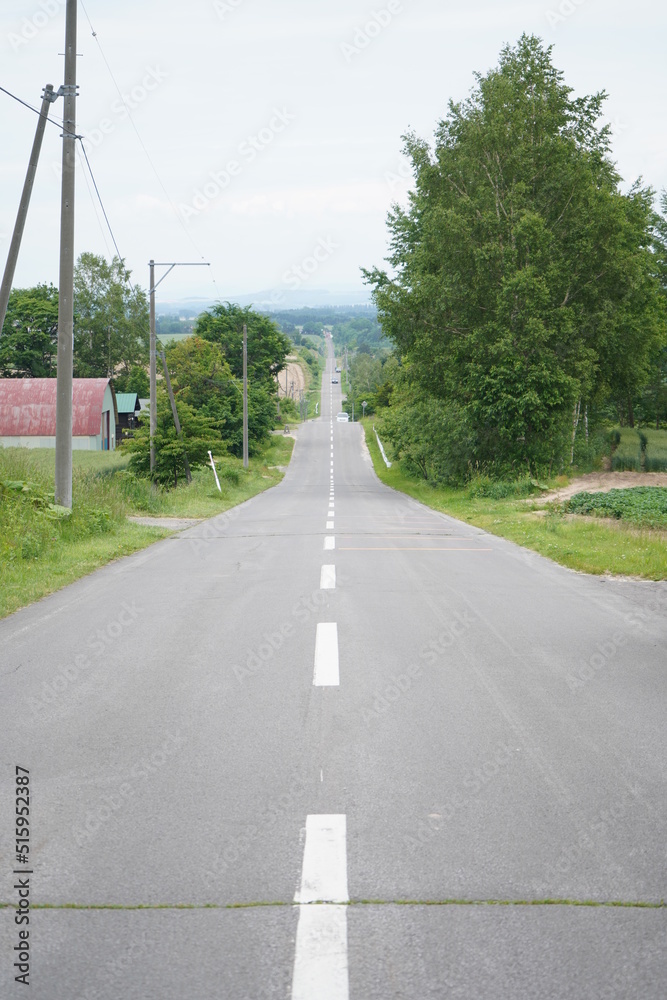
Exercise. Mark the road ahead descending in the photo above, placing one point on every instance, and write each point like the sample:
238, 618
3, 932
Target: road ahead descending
333, 744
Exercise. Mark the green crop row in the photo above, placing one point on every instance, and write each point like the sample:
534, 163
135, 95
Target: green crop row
641, 505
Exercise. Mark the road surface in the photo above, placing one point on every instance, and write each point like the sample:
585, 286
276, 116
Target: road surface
295, 751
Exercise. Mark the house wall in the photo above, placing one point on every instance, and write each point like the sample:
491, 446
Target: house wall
107, 435
78, 443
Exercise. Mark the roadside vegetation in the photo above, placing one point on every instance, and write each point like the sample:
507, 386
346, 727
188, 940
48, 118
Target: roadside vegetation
43, 547
644, 506
516, 510
526, 296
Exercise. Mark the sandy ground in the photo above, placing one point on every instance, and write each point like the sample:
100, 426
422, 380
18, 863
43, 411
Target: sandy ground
602, 482
173, 523
295, 380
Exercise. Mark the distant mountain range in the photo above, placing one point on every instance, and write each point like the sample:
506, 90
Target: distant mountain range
274, 299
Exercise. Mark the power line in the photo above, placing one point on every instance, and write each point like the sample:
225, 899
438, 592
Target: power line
141, 141
147, 154
57, 122
104, 211
95, 209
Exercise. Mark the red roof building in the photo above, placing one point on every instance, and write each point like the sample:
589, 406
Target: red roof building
28, 413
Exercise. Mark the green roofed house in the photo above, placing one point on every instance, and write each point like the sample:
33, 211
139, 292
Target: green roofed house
128, 407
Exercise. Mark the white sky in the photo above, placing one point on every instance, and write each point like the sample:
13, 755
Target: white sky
218, 74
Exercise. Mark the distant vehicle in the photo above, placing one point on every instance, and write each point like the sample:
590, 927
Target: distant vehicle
342, 418
339, 369
334, 381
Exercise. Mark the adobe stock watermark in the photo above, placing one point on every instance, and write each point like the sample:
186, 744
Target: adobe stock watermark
237, 847
96, 645
246, 153
364, 34
299, 273
272, 642
112, 803
564, 10
398, 180
225, 7
31, 26
399, 684
472, 786
119, 111
606, 650
589, 837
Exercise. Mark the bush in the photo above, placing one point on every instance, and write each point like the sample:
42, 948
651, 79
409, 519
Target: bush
498, 489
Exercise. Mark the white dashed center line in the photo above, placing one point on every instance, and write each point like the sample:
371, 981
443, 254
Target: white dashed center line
330, 542
320, 960
328, 578
326, 672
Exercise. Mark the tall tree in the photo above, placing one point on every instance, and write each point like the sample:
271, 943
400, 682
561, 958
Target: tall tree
202, 378
267, 344
524, 280
29, 340
110, 319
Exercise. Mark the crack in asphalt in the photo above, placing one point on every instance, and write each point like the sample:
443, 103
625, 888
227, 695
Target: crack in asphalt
256, 904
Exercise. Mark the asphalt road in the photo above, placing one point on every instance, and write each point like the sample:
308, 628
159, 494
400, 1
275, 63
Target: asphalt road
294, 751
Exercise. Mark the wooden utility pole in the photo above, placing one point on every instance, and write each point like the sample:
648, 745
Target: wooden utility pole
48, 97
245, 396
174, 411
63, 492
152, 412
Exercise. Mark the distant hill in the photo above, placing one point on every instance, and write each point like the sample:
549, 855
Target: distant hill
273, 300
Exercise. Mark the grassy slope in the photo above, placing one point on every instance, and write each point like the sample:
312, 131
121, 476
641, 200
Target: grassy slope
589, 545
67, 556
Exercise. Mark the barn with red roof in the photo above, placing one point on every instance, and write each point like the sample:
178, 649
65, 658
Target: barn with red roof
28, 413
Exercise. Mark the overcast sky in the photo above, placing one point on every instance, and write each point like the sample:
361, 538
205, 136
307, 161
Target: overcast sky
275, 127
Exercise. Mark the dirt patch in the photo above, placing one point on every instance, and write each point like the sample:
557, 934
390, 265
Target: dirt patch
171, 523
602, 482
296, 380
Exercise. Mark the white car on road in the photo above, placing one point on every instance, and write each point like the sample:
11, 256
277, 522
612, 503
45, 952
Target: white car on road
342, 417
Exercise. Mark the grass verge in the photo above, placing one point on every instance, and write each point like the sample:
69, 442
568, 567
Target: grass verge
589, 545
40, 552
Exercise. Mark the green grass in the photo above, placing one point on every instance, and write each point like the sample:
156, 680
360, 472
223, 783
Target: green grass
588, 545
41, 551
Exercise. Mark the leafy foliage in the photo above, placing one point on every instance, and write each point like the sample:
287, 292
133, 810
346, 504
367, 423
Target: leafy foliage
199, 434
110, 319
644, 505
202, 377
267, 344
524, 280
29, 341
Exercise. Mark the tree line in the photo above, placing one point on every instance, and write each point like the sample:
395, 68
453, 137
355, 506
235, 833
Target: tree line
111, 340
525, 292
